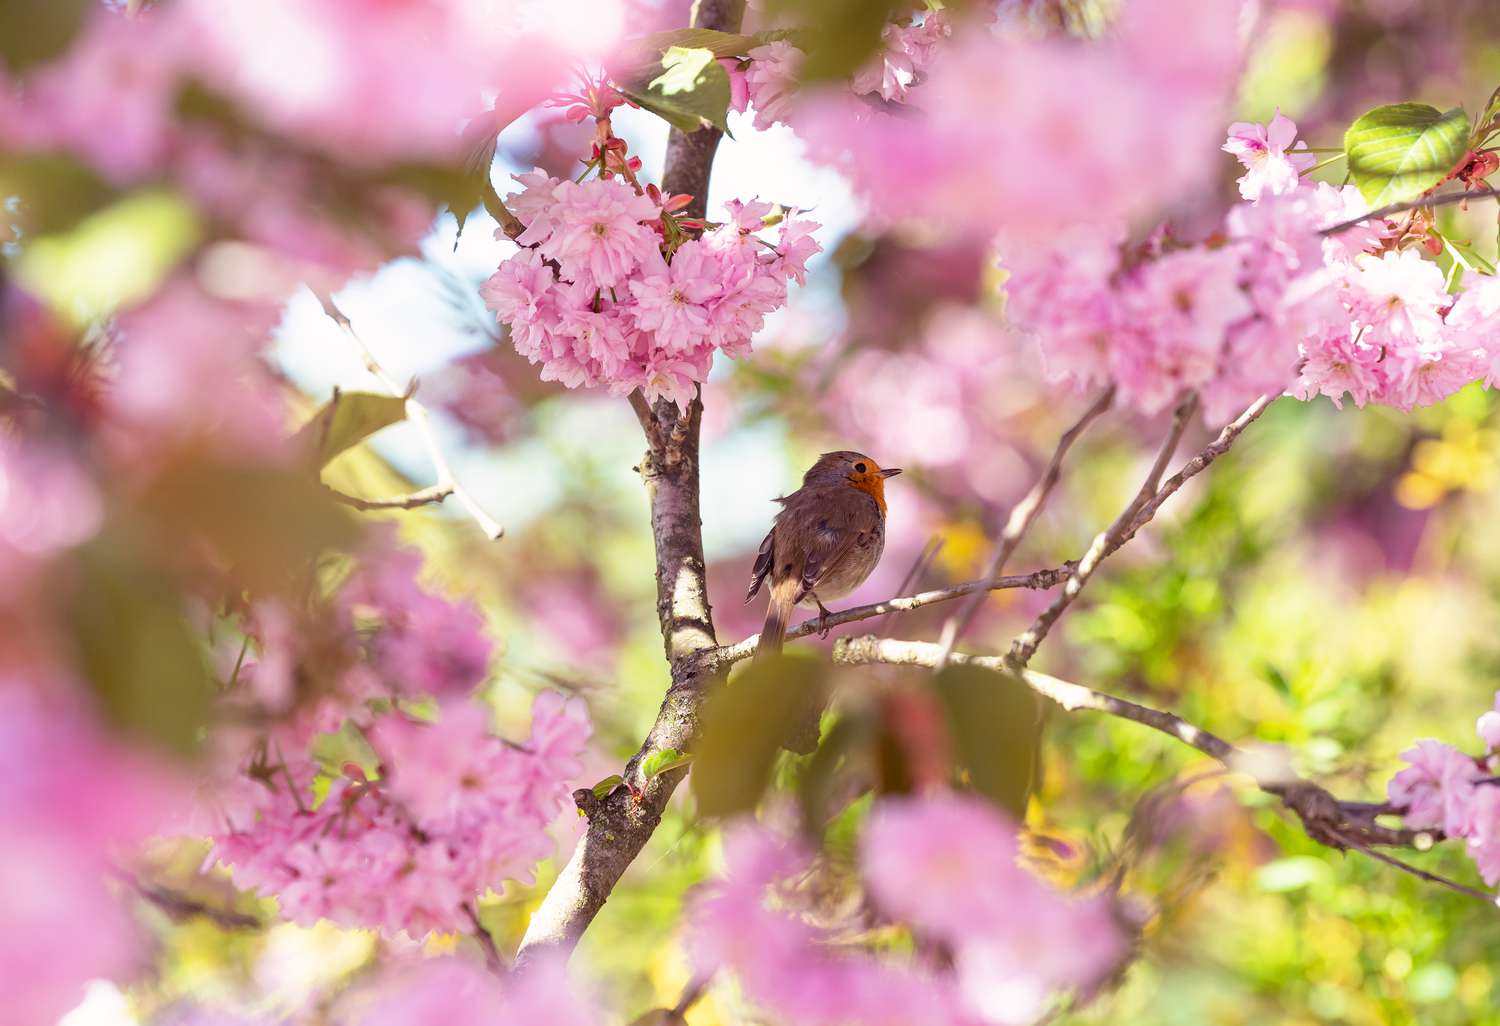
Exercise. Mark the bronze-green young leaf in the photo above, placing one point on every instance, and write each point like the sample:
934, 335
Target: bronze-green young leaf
743, 728
1397, 153
995, 724
838, 35
688, 88
346, 420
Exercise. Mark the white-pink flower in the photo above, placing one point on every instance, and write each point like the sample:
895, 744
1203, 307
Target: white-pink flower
1272, 163
670, 300
1437, 789
598, 231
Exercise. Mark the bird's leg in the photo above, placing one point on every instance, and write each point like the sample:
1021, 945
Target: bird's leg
823, 614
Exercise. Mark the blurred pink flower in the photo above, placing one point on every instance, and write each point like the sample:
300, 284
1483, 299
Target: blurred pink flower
71, 802
315, 71
944, 865
455, 992
1090, 118
419, 643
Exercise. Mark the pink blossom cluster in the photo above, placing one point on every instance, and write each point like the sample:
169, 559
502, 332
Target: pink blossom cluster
946, 867
453, 811
599, 297
1449, 790
1276, 305
447, 810
72, 803
1012, 131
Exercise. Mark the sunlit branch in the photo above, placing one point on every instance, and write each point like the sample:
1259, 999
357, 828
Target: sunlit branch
426, 497
622, 823
1400, 208
1020, 520
1112, 537
1327, 820
1037, 579
419, 417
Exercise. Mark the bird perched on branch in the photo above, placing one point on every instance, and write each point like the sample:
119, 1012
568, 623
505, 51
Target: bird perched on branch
824, 543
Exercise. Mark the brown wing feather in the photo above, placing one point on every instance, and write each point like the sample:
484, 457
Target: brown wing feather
842, 520
763, 562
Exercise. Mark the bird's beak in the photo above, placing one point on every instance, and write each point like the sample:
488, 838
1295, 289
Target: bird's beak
890, 472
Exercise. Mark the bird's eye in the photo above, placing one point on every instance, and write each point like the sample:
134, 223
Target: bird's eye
860, 468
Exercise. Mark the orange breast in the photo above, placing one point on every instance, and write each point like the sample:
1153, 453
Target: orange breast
872, 485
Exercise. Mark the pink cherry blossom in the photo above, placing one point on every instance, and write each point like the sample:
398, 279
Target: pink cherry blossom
771, 81
595, 231
1488, 727
1271, 163
670, 300
1438, 787
628, 311
455, 811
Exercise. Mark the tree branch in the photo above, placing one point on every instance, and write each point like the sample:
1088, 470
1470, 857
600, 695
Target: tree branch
727, 655
1020, 520
426, 497
622, 823
1400, 208
1108, 540
417, 414
1327, 820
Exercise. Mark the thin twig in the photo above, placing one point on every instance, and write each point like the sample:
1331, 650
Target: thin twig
1327, 820
1108, 540
919, 567
417, 414
1399, 208
486, 939
426, 497
1422, 874
727, 655
1020, 520
178, 906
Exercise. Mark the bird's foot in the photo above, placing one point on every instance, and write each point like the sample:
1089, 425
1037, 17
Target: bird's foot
823, 614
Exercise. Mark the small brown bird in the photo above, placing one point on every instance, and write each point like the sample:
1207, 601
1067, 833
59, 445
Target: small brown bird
824, 543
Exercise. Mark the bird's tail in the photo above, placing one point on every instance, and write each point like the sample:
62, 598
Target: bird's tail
778, 615
803, 737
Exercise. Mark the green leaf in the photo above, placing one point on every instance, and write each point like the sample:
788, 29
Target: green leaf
689, 89
658, 763
815, 785
639, 59
995, 723
346, 420
41, 194
744, 727
1487, 122
135, 647
838, 35
33, 33
264, 526
113, 257
1396, 153
606, 787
